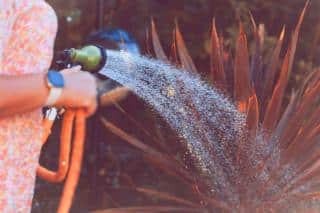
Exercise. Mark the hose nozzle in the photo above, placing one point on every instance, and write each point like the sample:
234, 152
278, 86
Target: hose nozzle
92, 58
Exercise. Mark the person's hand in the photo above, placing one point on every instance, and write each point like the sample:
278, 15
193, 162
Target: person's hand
80, 90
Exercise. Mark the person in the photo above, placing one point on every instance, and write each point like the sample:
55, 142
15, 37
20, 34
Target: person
28, 30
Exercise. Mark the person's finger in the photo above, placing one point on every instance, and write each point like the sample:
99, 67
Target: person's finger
75, 69
72, 69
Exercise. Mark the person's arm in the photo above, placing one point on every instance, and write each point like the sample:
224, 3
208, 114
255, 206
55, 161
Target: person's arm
22, 93
28, 55
19, 94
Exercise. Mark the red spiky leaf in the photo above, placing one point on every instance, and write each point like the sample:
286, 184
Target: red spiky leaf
242, 83
274, 106
271, 71
148, 42
253, 114
174, 52
217, 68
184, 56
158, 158
157, 47
256, 61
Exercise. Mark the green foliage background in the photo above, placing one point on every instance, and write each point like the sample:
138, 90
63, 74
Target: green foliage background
194, 16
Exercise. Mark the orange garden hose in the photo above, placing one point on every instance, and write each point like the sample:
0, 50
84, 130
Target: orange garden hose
74, 121
65, 145
71, 173
92, 58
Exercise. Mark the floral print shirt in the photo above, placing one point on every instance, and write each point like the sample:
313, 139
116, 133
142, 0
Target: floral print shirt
27, 33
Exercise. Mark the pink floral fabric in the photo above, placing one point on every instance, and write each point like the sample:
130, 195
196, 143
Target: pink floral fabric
27, 32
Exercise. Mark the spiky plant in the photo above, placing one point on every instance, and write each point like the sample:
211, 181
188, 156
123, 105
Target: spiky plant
286, 173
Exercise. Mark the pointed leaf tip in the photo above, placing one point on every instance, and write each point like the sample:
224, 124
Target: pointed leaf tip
253, 22
272, 71
242, 81
217, 68
160, 54
283, 32
274, 106
185, 58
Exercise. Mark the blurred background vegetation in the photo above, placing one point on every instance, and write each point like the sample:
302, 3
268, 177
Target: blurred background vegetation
78, 18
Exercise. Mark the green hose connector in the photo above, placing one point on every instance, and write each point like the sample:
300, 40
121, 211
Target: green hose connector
92, 58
